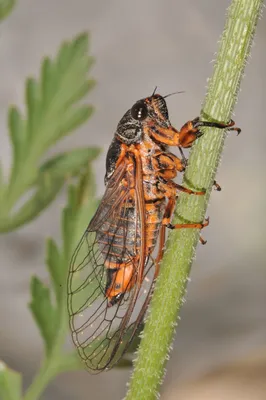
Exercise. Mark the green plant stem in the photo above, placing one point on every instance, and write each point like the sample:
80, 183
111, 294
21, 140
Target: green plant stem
51, 364
50, 368
45, 374
203, 163
80, 204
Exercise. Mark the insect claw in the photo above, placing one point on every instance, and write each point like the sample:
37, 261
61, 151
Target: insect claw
206, 222
238, 130
184, 162
217, 186
170, 226
202, 241
199, 134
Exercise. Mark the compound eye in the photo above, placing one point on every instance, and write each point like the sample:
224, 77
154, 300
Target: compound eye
139, 111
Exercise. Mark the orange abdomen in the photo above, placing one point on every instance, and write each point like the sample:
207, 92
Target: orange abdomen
119, 242
154, 216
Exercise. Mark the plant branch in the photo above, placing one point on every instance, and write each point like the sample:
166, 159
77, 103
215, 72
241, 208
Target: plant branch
53, 110
52, 319
203, 163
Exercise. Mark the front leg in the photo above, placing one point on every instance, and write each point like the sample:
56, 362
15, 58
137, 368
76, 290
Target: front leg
190, 131
187, 134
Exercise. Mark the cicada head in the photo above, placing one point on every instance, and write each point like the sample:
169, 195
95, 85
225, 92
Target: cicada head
158, 111
151, 110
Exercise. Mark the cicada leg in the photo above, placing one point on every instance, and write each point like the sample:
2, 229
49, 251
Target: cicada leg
160, 251
196, 225
168, 216
191, 130
216, 186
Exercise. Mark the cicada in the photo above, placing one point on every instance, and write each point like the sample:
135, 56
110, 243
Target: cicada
115, 265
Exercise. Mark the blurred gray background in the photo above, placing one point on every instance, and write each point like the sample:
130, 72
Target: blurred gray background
138, 45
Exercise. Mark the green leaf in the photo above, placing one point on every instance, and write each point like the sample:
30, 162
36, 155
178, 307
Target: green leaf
82, 91
17, 134
52, 112
45, 193
52, 176
43, 312
74, 119
54, 323
82, 205
10, 383
33, 101
68, 222
70, 163
2, 184
56, 269
63, 83
6, 6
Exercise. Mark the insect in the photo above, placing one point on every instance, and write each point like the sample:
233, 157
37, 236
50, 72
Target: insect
115, 265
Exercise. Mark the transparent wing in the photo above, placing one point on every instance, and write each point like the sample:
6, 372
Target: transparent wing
102, 334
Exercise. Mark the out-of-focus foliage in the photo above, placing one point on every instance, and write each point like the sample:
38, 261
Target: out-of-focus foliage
10, 383
52, 112
6, 7
48, 305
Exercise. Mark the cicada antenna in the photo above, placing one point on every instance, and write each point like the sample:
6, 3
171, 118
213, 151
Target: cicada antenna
154, 91
171, 94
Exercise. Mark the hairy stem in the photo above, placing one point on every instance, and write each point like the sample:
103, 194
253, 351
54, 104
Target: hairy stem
203, 163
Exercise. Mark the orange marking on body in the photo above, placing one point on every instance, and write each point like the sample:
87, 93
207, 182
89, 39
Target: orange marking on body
122, 280
114, 265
